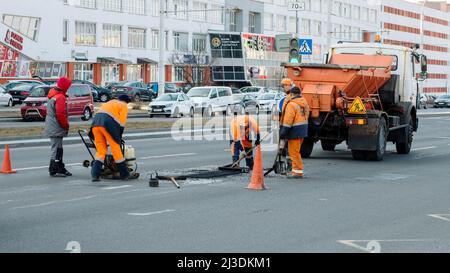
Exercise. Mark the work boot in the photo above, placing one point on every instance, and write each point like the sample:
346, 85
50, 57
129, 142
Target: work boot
293, 175
249, 162
123, 170
62, 169
96, 171
53, 169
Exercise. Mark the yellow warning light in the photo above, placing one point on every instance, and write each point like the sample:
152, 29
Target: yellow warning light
357, 107
377, 38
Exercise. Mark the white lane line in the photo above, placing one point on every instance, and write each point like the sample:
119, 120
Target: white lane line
43, 167
370, 244
80, 199
424, 148
118, 187
151, 213
445, 217
164, 156
36, 205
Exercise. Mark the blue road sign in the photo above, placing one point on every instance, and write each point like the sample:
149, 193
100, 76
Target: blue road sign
305, 46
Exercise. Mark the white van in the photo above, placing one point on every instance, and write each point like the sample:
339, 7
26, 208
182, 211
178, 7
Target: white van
211, 99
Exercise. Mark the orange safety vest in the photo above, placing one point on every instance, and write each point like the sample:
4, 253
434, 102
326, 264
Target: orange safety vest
241, 127
295, 120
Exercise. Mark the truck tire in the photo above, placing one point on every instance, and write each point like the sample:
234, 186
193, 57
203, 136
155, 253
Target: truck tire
307, 148
359, 155
405, 147
378, 154
327, 146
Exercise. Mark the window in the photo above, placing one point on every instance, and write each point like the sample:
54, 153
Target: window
346, 10
216, 14
178, 74
65, 31
197, 74
83, 71
356, 34
316, 5
136, 7
224, 92
112, 35
154, 7
337, 8
281, 23
180, 41
136, 38
337, 31
252, 22
306, 27
356, 12
27, 26
180, 9
201, 10
346, 32
268, 21
373, 16
292, 24
112, 5
90, 4
85, 33
199, 43
316, 28
155, 39
365, 14
233, 20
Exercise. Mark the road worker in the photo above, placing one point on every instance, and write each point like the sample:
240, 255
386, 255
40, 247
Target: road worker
107, 129
294, 128
57, 126
241, 129
287, 85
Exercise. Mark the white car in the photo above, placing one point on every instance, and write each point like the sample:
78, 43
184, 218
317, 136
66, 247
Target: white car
211, 99
268, 102
5, 98
171, 105
254, 91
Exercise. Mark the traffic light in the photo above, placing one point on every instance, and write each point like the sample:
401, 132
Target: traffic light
294, 56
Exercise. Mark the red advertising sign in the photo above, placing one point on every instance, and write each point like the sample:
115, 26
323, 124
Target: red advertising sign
259, 42
9, 57
14, 40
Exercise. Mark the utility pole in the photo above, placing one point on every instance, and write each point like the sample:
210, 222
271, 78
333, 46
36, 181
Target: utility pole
329, 26
162, 47
296, 21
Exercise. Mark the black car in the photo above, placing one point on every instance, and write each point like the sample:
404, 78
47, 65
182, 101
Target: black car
11, 84
442, 101
248, 103
21, 92
137, 91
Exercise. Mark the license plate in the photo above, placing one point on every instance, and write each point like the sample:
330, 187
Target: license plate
157, 110
16, 99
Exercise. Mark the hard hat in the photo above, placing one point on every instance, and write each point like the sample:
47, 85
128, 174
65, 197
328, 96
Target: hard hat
286, 81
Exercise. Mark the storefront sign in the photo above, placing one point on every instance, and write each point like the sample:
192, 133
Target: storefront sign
14, 39
259, 42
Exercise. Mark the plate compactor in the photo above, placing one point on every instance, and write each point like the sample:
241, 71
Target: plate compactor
110, 169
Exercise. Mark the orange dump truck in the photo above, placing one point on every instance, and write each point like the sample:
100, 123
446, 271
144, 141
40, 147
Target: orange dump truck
366, 94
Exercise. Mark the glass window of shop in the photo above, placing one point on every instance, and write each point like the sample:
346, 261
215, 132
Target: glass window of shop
178, 73
134, 72
48, 69
110, 73
83, 71
154, 73
226, 46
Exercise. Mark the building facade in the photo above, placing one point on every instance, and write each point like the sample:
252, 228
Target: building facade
114, 40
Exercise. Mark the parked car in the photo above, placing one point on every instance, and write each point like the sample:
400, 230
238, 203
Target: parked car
211, 99
171, 105
268, 102
248, 104
137, 91
5, 98
11, 84
168, 88
79, 102
442, 101
253, 90
20, 92
425, 100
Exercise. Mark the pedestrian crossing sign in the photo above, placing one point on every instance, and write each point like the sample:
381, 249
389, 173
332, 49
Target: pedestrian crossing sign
305, 46
357, 107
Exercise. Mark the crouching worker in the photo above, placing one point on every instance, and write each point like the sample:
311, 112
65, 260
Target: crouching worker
294, 128
107, 129
241, 129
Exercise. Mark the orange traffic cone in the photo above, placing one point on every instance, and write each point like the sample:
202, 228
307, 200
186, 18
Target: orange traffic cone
7, 162
257, 180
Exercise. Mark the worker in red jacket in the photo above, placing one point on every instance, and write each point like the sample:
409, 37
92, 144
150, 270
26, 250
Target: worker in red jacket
57, 126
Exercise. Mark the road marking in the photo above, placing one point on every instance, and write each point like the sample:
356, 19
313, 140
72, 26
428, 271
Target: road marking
352, 243
164, 156
44, 167
151, 213
119, 187
423, 148
444, 217
80, 199
36, 205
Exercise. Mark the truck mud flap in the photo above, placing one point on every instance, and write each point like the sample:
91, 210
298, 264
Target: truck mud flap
364, 137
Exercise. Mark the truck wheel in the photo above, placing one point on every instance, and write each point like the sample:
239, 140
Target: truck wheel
327, 146
378, 154
405, 148
307, 148
359, 155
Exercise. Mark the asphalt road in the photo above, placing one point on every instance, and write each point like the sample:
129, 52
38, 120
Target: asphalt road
402, 202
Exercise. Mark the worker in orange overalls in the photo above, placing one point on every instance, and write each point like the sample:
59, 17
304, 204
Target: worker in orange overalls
107, 129
294, 128
241, 129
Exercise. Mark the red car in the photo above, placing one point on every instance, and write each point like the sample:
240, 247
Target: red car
79, 102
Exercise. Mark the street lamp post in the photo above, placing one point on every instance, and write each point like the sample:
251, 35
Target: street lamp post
161, 67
